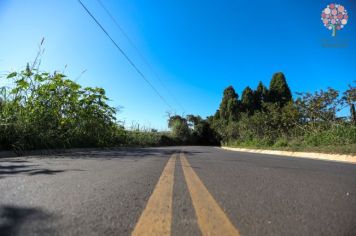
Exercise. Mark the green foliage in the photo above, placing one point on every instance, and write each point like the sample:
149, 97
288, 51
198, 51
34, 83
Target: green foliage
45, 110
192, 130
260, 96
229, 106
338, 134
279, 91
350, 99
179, 126
48, 110
320, 106
353, 113
271, 119
269, 125
248, 101
201, 132
148, 139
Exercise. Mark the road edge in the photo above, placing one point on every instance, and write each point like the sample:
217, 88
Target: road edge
58, 151
309, 155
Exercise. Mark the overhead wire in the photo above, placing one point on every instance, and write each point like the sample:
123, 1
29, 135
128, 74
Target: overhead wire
125, 55
143, 58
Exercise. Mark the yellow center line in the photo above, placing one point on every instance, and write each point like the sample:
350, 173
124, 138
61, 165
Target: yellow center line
156, 219
211, 218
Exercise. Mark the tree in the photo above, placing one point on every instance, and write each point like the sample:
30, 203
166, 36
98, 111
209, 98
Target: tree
229, 106
202, 133
320, 106
248, 101
179, 127
279, 91
216, 115
350, 99
260, 95
353, 113
193, 121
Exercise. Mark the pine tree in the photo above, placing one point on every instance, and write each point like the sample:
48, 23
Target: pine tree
279, 91
260, 95
248, 101
353, 114
229, 106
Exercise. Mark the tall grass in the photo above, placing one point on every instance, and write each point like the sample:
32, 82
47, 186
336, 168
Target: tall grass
48, 110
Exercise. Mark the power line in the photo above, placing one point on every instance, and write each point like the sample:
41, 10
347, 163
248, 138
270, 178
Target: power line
139, 53
125, 55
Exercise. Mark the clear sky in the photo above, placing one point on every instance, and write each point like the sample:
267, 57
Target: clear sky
198, 47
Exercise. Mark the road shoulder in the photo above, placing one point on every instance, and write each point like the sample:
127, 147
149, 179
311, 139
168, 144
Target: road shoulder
310, 155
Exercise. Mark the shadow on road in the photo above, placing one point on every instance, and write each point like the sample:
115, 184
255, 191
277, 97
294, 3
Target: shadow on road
9, 168
105, 153
14, 220
127, 152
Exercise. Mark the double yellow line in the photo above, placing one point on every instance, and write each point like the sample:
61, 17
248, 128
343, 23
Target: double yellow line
156, 219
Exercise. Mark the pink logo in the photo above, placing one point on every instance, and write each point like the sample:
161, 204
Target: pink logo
334, 17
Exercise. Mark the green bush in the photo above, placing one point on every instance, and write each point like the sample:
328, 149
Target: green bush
281, 142
340, 134
271, 119
143, 138
43, 110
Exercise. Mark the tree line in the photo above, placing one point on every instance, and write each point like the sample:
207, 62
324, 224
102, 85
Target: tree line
48, 110
271, 117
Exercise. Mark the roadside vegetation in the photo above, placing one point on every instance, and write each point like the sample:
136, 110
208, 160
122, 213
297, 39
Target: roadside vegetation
41, 110
44, 110
270, 118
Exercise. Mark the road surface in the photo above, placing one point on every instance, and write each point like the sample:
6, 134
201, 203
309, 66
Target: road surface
175, 191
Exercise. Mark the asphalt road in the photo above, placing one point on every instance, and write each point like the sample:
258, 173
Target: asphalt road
176, 191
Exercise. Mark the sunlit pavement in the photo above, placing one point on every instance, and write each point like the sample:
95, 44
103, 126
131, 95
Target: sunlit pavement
175, 191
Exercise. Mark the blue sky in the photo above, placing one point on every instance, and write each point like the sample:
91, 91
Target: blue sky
197, 47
